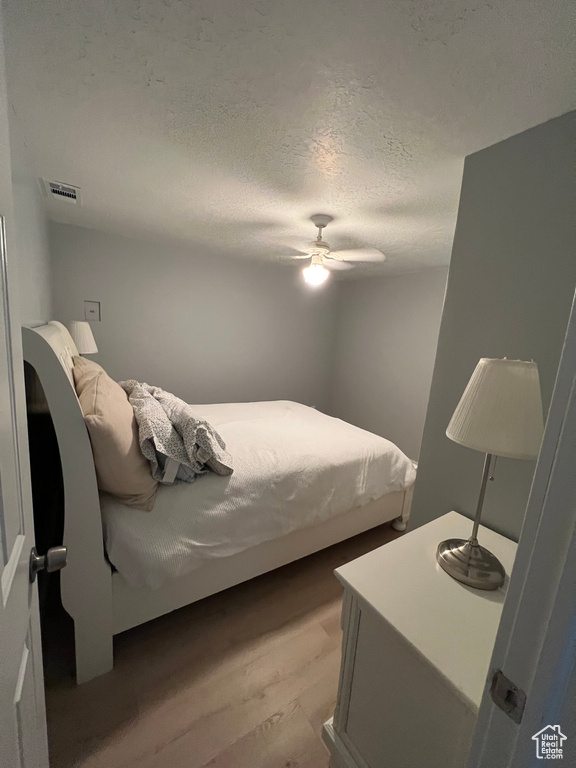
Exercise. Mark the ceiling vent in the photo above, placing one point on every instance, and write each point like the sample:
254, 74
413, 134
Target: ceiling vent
65, 192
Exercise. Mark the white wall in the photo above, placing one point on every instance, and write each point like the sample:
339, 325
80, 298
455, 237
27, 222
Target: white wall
386, 334
30, 245
206, 327
510, 288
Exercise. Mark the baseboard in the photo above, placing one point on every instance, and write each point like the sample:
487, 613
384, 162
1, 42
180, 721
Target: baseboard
340, 757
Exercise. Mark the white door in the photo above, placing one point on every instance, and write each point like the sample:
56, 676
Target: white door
536, 641
23, 742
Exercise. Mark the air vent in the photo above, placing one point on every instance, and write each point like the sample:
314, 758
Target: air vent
65, 192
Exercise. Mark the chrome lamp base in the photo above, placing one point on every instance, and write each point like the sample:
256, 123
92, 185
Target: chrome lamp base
468, 562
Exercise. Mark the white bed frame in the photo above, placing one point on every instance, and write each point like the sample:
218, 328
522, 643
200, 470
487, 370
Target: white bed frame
100, 602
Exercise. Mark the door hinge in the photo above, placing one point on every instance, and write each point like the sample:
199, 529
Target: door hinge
507, 696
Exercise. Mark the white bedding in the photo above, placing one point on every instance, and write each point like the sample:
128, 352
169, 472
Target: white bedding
293, 467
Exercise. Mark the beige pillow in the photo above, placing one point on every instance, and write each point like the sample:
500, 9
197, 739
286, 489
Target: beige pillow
121, 469
84, 370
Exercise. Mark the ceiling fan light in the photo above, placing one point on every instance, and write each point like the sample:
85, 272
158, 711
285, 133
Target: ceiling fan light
315, 274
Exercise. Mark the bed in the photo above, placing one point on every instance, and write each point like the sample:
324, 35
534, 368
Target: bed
333, 485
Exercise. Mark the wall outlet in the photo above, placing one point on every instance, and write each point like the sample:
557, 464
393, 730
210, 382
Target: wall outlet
92, 311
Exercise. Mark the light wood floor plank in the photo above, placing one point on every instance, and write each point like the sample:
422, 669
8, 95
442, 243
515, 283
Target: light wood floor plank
284, 739
243, 678
211, 713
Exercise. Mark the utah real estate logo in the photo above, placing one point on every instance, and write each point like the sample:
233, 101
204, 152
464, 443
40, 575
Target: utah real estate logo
549, 743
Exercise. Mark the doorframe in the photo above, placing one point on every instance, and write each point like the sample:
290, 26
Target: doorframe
536, 641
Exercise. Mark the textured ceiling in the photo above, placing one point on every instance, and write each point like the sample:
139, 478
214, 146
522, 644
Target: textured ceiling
232, 121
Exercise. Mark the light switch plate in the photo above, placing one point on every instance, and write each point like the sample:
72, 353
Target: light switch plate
92, 311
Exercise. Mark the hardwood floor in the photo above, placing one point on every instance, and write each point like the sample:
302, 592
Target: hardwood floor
243, 679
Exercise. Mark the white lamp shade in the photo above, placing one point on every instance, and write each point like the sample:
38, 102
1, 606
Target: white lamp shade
500, 411
83, 337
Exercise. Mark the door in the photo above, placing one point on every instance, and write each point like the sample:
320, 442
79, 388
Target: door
536, 641
23, 742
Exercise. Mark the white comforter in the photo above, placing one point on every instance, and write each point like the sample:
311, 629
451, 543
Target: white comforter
293, 467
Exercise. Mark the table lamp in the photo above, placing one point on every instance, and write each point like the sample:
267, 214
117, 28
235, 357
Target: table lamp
83, 337
500, 414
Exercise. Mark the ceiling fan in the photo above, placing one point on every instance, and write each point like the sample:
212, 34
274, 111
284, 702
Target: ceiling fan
322, 257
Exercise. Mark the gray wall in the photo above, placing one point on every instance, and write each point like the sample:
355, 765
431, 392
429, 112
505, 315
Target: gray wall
212, 329
510, 287
31, 242
206, 327
22, 205
386, 334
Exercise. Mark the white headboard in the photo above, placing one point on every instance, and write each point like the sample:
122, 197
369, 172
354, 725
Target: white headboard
58, 337
49, 349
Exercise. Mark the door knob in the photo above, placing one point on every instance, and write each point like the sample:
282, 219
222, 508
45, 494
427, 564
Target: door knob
54, 560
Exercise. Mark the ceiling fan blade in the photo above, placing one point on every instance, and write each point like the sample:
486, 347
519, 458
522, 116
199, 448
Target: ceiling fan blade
295, 253
358, 254
338, 266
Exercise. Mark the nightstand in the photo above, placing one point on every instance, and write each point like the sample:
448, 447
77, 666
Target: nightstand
415, 654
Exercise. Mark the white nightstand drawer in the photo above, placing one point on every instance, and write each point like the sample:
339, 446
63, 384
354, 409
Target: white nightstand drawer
416, 650
400, 706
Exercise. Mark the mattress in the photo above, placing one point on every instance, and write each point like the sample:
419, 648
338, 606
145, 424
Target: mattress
293, 467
